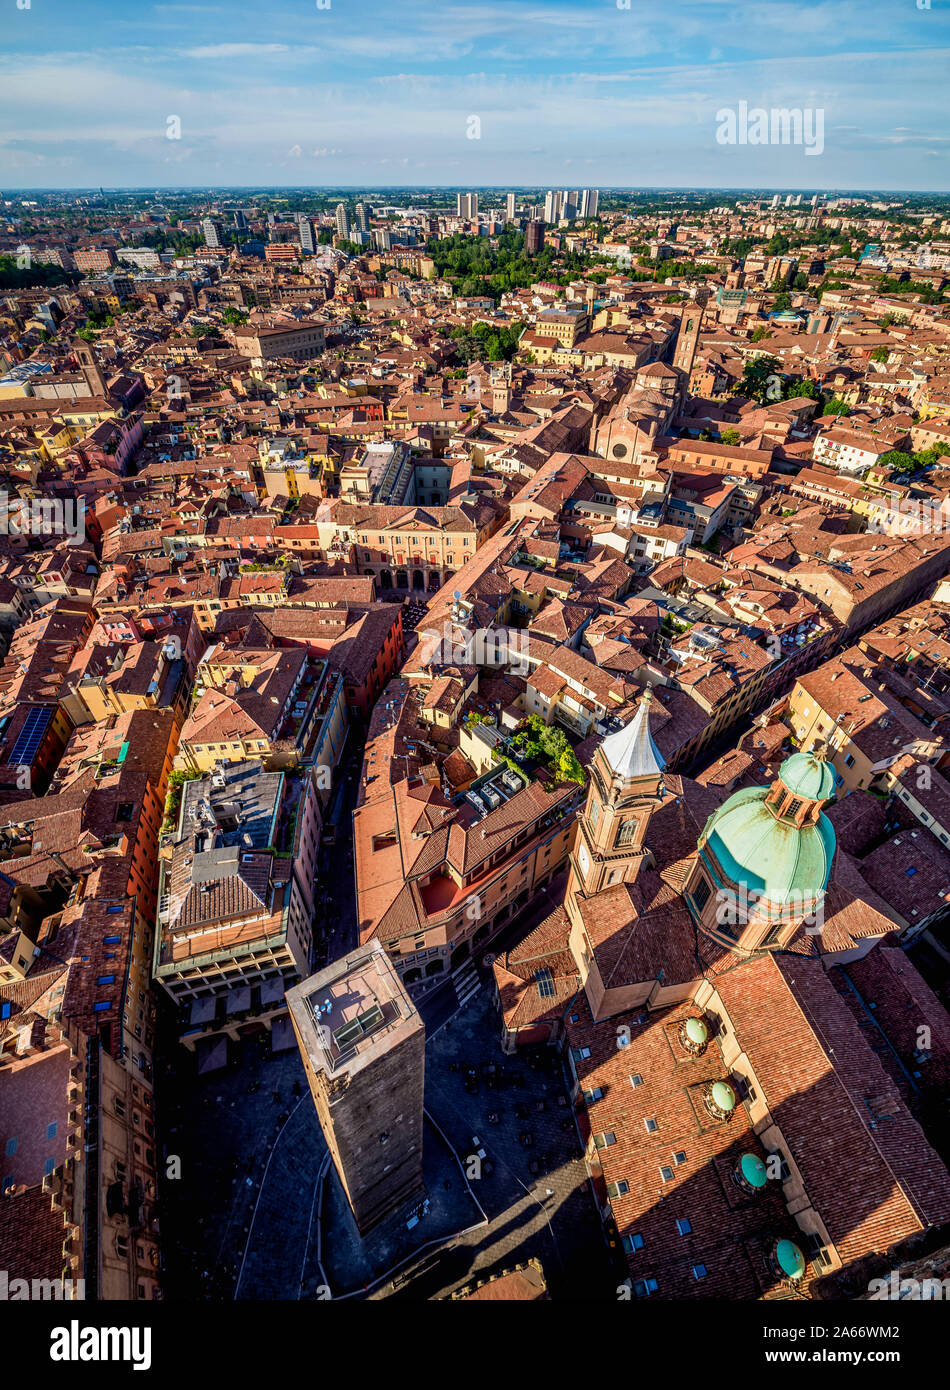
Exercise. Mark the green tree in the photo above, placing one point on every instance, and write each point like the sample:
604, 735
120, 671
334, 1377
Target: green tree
837, 407
730, 436
880, 354
930, 458
896, 461
755, 381
801, 388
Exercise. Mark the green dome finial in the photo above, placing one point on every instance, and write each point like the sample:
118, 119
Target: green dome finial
696, 1031
789, 1259
753, 1170
809, 776
724, 1097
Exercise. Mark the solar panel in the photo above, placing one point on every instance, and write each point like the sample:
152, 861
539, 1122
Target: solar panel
31, 736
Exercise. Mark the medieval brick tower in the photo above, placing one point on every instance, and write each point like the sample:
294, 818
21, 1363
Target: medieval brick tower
363, 1047
687, 339
90, 368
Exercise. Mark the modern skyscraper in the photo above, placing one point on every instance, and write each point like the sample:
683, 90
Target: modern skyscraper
534, 238
510, 207
553, 203
466, 205
342, 221
308, 237
362, 219
363, 1048
213, 232
240, 221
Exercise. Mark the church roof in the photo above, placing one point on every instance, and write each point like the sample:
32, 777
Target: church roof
631, 751
769, 855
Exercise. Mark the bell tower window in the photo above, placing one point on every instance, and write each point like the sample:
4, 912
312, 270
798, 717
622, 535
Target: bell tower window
701, 894
627, 833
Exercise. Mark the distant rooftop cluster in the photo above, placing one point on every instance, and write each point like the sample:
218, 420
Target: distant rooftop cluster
548, 584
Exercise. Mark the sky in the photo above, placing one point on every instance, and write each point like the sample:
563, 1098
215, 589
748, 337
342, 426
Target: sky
578, 93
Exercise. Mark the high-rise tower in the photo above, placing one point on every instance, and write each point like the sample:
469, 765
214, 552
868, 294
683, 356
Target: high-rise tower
363, 1047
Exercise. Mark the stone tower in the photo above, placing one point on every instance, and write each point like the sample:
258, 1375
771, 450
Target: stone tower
90, 368
687, 339
363, 1047
626, 787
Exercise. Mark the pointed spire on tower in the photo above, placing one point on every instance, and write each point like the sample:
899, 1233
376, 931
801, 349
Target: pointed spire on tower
631, 751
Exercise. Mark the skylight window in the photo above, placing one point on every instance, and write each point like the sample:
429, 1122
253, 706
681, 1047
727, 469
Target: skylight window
545, 983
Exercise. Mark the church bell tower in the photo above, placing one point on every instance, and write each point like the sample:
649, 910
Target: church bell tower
626, 787
687, 339
88, 365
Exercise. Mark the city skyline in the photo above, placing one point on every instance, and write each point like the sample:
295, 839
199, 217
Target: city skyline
475, 668
554, 92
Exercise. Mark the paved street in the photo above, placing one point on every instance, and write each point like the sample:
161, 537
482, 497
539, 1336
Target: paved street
224, 1127
536, 1197
335, 930
248, 1217
258, 1213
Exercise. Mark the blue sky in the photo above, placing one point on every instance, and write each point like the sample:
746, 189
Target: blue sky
568, 92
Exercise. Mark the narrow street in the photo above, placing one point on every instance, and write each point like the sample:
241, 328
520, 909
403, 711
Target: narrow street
334, 916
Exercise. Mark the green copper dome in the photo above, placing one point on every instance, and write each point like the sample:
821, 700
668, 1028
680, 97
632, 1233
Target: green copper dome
753, 1170
768, 856
723, 1096
809, 777
696, 1031
790, 1259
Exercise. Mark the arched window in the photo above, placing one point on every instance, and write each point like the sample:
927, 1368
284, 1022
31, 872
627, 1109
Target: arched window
628, 831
